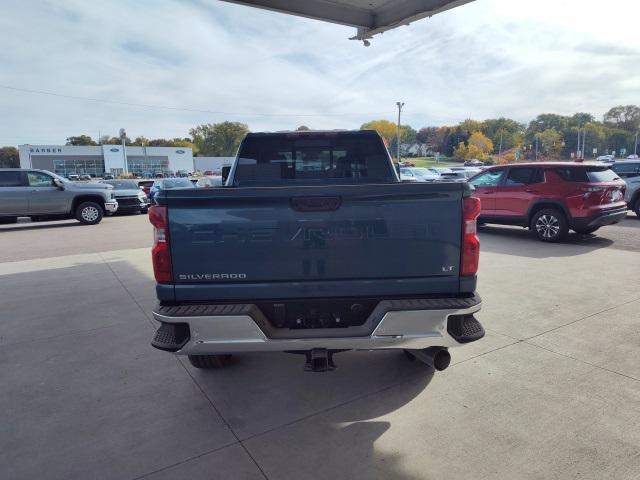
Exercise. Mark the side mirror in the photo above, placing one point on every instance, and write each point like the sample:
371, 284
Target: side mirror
225, 174
58, 183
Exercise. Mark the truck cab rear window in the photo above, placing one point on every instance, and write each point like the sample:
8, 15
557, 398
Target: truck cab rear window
286, 159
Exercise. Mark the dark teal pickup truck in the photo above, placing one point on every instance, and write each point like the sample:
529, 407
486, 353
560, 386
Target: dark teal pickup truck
314, 246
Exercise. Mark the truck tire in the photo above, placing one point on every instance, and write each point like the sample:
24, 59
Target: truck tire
549, 225
636, 207
210, 361
89, 213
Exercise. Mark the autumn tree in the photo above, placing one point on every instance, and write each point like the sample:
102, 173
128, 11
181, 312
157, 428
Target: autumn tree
477, 147
387, 130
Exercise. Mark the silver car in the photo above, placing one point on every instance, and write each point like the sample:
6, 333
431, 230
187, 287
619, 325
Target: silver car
421, 174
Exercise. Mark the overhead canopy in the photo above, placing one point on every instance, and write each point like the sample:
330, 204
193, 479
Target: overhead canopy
370, 17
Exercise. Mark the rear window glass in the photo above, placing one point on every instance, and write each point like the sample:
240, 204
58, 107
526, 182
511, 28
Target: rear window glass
286, 159
10, 179
587, 174
627, 168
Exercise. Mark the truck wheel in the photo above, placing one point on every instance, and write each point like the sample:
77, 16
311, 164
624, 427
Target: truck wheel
636, 207
210, 361
549, 225
89, 213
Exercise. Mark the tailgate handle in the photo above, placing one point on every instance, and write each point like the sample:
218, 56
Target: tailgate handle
315, 204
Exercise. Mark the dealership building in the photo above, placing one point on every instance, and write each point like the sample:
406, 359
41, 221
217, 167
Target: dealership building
100, 159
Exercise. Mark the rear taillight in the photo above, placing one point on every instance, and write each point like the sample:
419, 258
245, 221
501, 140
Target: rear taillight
470, 252
160, 253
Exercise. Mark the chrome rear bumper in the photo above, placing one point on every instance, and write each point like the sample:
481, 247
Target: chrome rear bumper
395, 324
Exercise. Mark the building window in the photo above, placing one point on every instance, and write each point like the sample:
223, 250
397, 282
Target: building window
66, 167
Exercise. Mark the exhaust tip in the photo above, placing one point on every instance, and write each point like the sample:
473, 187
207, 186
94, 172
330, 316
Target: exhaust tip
441, 360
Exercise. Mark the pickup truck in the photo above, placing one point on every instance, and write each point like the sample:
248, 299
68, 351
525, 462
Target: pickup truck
40, 194
314, 246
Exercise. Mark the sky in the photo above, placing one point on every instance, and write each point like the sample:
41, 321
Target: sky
210, 61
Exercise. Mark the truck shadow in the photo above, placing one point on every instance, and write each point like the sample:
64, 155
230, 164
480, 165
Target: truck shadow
277, 409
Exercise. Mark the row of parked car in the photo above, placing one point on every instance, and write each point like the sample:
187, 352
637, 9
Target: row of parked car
438, 174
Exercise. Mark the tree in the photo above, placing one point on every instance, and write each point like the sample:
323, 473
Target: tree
81, 140
469, 126
219, 139
624, 117
302, 128
387, 130
140, 141
503, 132
115, 141
9, 157
550, 142
478, 146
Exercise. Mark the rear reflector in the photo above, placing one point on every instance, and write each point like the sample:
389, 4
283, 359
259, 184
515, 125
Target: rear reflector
160, 253
470, 251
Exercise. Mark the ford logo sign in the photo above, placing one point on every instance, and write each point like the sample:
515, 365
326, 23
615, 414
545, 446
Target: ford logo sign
179, 151
115, 149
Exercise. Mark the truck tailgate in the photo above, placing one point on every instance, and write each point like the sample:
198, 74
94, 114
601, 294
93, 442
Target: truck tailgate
325, 241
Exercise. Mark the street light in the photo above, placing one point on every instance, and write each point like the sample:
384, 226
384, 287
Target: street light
123, 135
399, 105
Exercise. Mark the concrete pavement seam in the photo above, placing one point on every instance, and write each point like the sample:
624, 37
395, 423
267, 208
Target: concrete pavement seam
224, 420
583, 361
146, 475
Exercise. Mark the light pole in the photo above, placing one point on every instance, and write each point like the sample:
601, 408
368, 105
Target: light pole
123, 135
400, 105
635, 145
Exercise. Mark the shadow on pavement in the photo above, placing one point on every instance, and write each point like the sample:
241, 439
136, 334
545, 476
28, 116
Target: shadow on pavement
24, 226
323, 424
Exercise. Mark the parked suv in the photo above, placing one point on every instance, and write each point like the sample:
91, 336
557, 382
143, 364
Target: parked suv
630, 173
41, 194
551, 198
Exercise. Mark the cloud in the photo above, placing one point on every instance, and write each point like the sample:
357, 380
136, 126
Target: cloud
486, 59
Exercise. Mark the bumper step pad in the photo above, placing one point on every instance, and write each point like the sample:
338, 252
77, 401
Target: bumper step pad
171, 337
465, 328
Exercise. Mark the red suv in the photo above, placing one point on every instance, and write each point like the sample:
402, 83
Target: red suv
551, 198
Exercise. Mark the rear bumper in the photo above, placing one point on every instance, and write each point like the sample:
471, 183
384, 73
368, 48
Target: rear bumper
394, 324
608, 217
